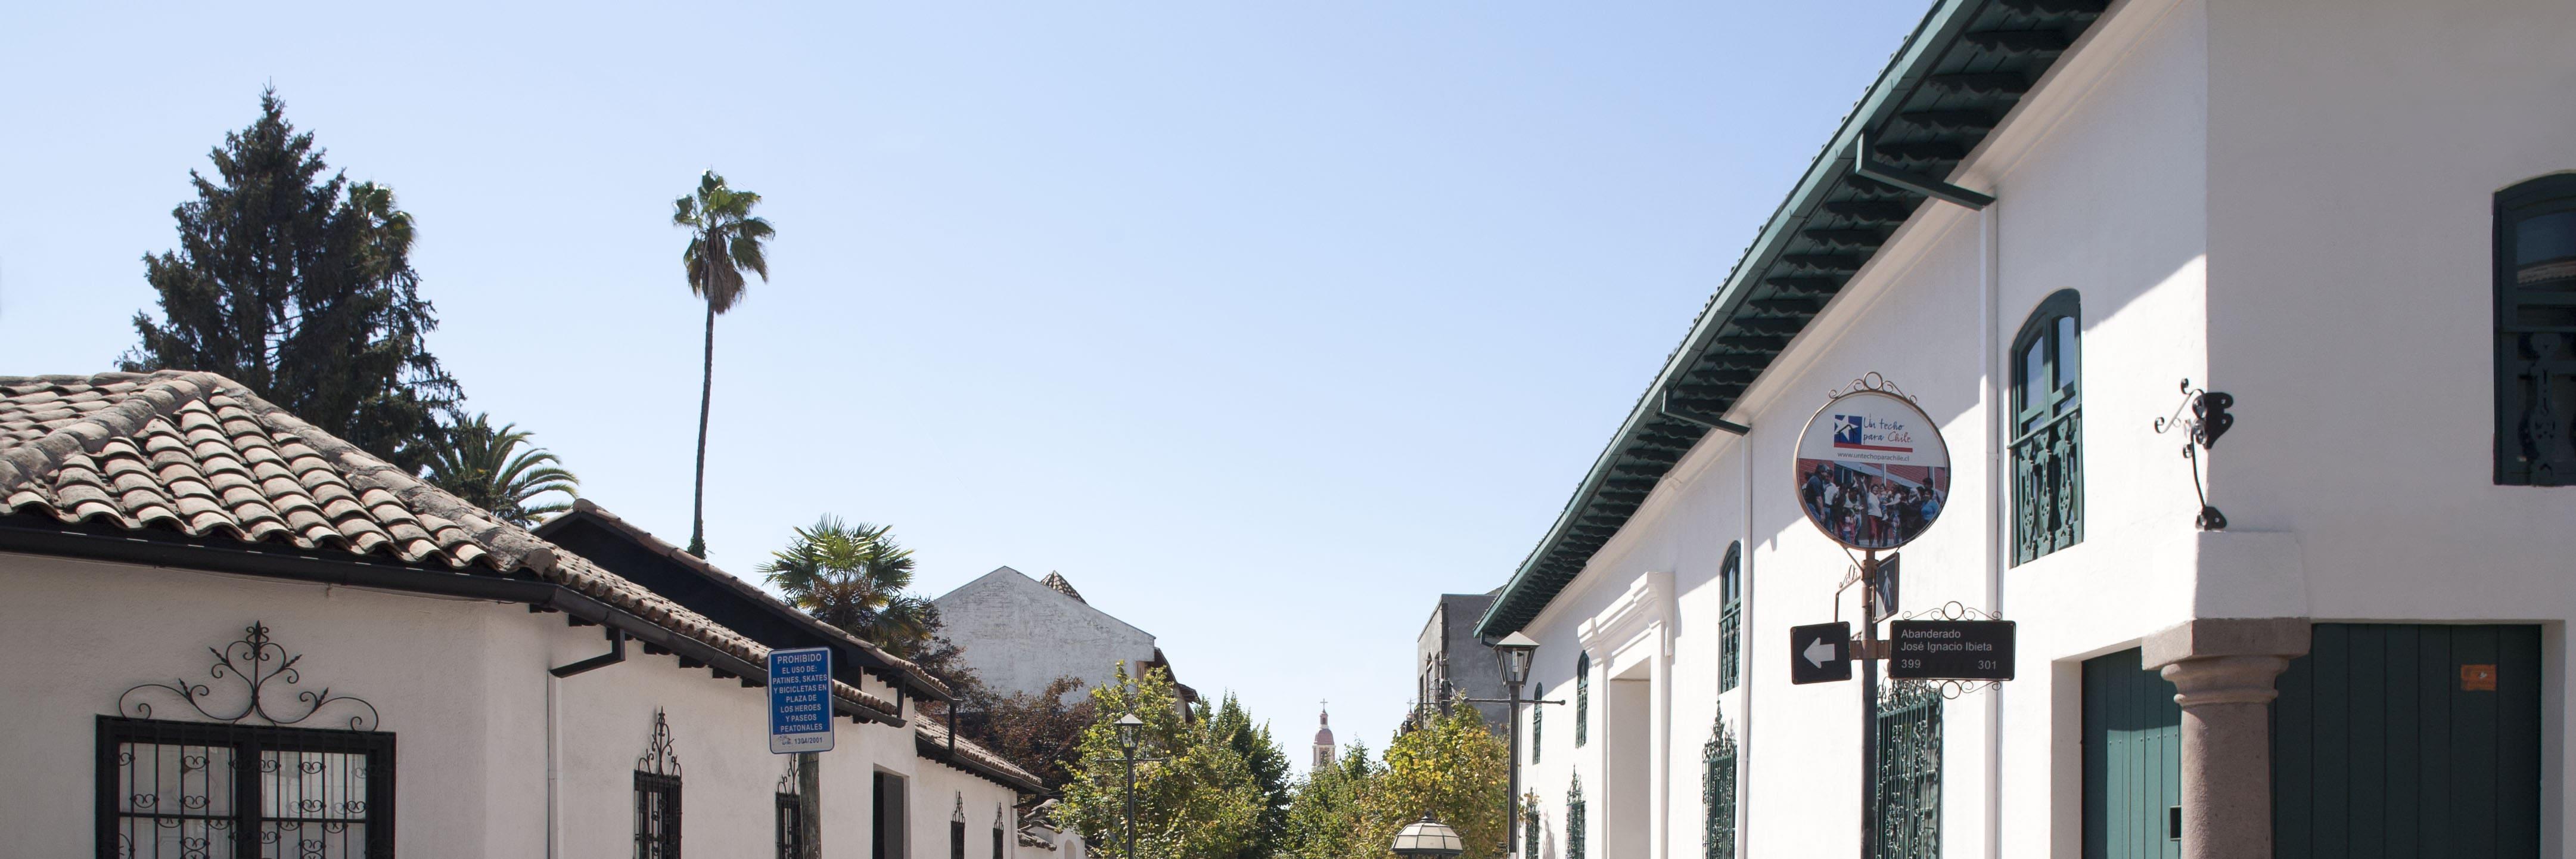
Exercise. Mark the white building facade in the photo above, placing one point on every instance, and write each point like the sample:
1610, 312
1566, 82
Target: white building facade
2345, 217
1020, 634
240, 636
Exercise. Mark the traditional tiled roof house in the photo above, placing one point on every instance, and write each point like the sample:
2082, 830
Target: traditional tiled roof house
343, 616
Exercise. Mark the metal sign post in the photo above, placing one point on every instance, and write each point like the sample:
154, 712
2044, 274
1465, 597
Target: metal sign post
1872, 473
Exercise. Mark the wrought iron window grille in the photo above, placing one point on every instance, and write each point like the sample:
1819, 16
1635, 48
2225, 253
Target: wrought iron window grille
1574, 819
2209, 420
790, 810
202, 789
1582, 698
2535, 332
1730, 619
247, 676
1537, 737
657, 795
1717, 789
2048, 429
1909, 774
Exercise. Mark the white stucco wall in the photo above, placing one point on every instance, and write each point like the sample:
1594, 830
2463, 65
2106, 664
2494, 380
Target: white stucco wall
2288, 201
1020, 635
463, 687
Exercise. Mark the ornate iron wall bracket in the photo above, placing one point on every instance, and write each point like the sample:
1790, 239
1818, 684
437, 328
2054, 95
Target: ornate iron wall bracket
252, 663
2209, 420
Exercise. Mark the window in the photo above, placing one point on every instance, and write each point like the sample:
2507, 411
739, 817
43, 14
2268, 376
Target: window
1574, 819
207, 789
1909, 774
1717, 790
790, 811
886, 833
956, 839
657, 796
1730, 620
1529, 825
1582, 698
2535, 331
2048, 429
1537, 738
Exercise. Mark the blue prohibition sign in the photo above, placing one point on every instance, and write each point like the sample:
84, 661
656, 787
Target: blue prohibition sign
800, 700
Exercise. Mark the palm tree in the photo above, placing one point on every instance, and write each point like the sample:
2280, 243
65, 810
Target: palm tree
487, 468
724, 241
854, 577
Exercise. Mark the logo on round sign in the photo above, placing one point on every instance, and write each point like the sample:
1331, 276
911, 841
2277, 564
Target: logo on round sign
1872, 470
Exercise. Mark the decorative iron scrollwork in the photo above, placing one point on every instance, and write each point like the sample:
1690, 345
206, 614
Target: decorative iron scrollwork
660, 756
2209, 420
1871, 381
251, 664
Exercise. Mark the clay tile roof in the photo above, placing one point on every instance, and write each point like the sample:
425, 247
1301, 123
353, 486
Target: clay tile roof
184, 452
931, 739
1055, 581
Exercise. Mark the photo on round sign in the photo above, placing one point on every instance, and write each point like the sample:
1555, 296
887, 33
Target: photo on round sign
1872, 470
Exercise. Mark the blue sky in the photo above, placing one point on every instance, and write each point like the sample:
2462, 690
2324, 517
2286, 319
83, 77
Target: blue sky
1262, 322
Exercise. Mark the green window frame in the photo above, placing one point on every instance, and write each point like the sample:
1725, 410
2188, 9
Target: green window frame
2535, 332
1730, 619
1582, 698
1717, 789
2048, 428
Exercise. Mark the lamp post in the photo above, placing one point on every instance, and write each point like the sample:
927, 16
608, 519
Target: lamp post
1429, 838
1130, 730
1515, 651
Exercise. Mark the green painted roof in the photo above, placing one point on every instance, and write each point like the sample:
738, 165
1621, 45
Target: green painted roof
1955, 78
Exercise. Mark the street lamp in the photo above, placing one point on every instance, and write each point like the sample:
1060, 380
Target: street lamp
1130, 730
1429, 838
1515, 651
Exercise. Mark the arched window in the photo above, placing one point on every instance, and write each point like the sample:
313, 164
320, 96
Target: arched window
2048, 429
1537, 739
1582, 699
2535, 331
1730, 618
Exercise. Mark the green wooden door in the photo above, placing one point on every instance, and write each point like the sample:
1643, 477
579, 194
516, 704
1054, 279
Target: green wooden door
2409, 740
2132, 760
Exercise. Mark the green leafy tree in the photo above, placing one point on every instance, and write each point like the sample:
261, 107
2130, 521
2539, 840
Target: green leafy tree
725, 240
1040, 731
855, 577
300, 288
498, 470
1328, 809
1269, 767
1453, 769
1201, 800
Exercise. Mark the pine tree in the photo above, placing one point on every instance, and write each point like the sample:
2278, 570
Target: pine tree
300, 288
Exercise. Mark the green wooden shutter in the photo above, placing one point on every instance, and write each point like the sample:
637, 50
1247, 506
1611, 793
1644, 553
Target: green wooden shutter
2409, 740
2132, 760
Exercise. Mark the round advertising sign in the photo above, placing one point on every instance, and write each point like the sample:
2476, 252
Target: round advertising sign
1872, 470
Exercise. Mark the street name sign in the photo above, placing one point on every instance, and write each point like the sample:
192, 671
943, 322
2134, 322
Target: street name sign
800, 700
1950, 650
1820, 653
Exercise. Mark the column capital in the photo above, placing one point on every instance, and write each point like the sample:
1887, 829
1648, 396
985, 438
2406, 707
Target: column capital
2226, 679
2209, 637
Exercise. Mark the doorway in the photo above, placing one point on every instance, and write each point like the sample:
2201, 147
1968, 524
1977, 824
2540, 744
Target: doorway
1627, 802
887, 814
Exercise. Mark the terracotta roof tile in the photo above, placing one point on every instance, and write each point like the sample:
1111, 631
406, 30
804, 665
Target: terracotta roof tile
199, 454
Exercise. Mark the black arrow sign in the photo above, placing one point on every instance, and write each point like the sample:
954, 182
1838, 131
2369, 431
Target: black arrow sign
1820, 653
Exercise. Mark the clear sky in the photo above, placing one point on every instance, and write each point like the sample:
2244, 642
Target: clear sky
1262, 322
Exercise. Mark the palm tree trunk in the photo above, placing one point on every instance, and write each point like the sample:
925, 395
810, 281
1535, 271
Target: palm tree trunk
706, 397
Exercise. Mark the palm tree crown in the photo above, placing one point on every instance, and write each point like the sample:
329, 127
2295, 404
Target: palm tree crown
488, 468
854, 577
725, 240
